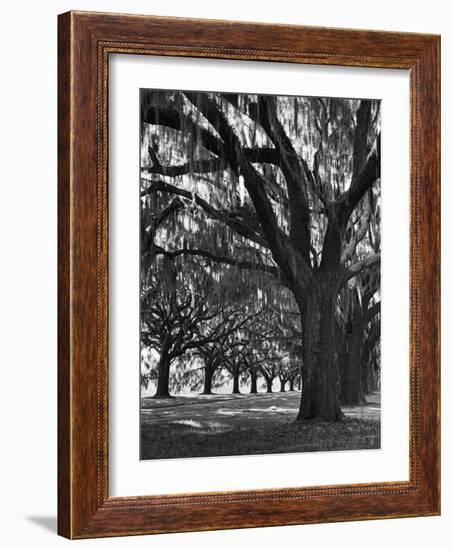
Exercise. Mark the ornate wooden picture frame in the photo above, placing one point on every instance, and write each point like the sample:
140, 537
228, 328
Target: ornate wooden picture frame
86, 40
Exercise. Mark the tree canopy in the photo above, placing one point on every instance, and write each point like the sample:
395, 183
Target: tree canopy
260, 233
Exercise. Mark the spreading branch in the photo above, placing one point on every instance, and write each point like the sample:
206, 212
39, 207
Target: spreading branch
293, 174
241, 264
291, 264
241, 227
358, 267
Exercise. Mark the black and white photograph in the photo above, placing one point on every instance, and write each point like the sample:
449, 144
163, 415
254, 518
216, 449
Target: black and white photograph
260, 274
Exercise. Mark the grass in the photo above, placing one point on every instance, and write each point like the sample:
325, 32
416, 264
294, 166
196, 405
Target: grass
249, 425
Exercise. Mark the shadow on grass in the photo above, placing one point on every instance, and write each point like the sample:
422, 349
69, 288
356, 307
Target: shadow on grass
179, 441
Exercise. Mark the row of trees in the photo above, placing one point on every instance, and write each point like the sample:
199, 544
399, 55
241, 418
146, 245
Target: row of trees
202, 344
260, 242
211, 331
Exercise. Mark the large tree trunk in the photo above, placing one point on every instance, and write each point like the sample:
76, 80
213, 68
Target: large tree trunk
163, 369
370, 384
236, 383
352, 388
269, 382
292, 384
341, 355
283, 385
208, 377
319, 396
366, 371
253, 374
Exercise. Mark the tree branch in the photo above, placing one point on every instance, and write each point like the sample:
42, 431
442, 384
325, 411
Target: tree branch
175, 205
293, 174
356, 236
273, 270
196, 167
255, 185
178, 121
264, 155
372, 311
356, 268
366, 165
362, 183
233, 222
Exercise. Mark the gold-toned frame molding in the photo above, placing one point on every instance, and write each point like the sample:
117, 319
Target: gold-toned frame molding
86, 40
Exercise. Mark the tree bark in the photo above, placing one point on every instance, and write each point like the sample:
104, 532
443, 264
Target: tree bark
236, 383
283, 385
366, 373
354, 367
269, 382
163, 369
253, 374
319, 396
352, 387
208, 377
370, 373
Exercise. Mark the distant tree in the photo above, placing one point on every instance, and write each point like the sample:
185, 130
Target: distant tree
223, 350
179, 320
371, 371
269, 371
295, 379
358, 305
352, 389
237, 369
288, 370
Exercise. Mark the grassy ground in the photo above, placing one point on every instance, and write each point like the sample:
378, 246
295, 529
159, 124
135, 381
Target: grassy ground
220, 425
